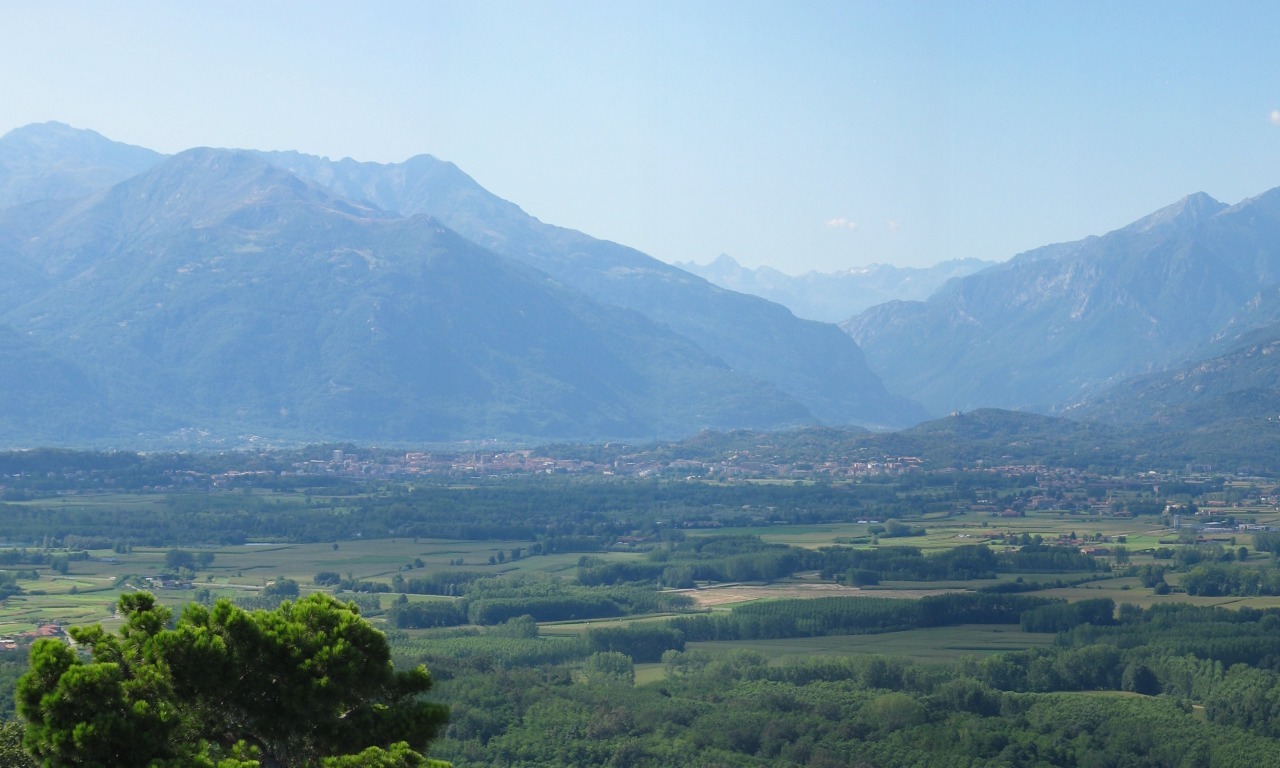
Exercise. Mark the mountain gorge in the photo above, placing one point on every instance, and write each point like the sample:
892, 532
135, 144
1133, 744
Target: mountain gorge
833, 297
217, 294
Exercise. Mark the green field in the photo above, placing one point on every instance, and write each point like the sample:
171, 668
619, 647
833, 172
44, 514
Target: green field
87, 592
939, 644
957, 529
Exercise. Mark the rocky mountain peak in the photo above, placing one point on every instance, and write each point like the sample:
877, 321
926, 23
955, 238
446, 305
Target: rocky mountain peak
1187, 212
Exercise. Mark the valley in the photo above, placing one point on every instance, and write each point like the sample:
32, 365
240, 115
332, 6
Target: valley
659, 592
627, 516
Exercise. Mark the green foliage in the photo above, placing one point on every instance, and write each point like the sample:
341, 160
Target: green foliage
775, 619
493, 601
12, 754
642, 642
288, 687
399, 755
451, 583
178, 558
1213, 579
470, 649
9, 585
735, 709
281, 588
1060, 617
425, 615
610, 667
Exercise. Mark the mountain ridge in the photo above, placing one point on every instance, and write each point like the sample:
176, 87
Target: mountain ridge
808, 360
217, 293
1053, 325
52, 160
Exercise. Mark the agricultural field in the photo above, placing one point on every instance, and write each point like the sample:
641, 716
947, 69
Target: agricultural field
933, 645
621, 615
87, 591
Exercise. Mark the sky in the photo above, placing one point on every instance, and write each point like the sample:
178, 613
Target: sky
801, 135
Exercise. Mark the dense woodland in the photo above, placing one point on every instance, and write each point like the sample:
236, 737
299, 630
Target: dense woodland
1166, 687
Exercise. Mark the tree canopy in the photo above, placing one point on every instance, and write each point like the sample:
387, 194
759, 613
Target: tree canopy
310, 683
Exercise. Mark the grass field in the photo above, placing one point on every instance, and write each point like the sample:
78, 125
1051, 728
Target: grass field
953, 530
939, 644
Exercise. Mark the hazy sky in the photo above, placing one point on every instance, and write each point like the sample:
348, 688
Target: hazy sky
799, 135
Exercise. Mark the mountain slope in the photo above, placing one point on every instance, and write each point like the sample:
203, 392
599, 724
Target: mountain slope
1057, 323
809, 361
217, 292
1222, 410
1241, 381
55, 161
46, 398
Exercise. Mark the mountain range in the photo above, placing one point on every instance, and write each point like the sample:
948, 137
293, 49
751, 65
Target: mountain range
810, 361
833, 297
1052, 329
217, 296
223, 293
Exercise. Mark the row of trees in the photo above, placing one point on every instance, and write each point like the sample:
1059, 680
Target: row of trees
680, 564
491, 601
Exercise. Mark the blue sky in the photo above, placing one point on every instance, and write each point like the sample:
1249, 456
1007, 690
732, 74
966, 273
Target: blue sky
800, 135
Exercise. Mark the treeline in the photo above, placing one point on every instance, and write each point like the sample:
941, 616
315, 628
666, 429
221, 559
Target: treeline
863, 567
44, 470
585, 515
777, 619
870, 566
1215, 579
648, 640
1061, 617
448, 583
1210, 570
681, 563
23, 556
560, 514
493, 601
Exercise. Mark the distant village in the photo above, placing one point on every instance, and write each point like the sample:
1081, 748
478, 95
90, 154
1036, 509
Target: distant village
1195, 496
741, 464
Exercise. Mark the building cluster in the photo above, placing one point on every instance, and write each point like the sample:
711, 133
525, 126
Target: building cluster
24, 639
741, 464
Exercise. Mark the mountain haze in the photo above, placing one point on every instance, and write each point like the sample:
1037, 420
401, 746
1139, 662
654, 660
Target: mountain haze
231, 293
833, 297
218, 294
1056, 324
55, 161
1240, 381
811, 362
